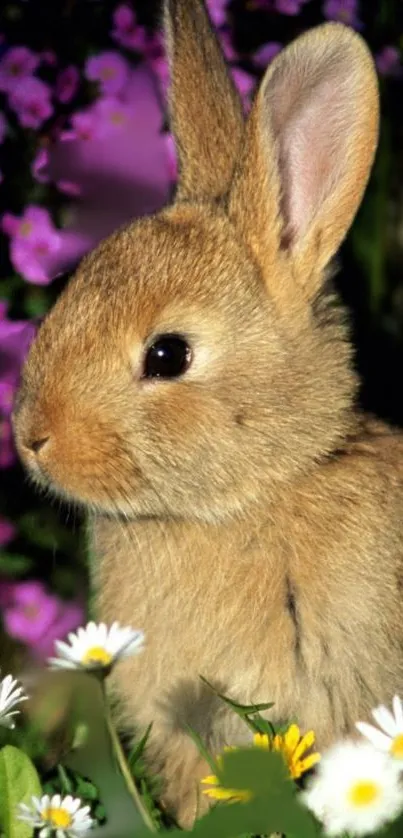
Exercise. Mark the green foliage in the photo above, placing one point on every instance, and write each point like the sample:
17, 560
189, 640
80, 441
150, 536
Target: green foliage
18, 782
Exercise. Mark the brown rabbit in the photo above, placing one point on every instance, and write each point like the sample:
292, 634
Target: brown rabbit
193, 388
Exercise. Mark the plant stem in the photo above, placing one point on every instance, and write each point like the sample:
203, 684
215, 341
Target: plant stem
124, 768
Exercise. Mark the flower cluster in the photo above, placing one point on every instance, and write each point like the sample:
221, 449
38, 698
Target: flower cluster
63, 816
294, 748
95, 648
83, 119
36, 617
357, 786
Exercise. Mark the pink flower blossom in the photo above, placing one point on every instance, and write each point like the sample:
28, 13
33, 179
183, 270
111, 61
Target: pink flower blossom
218, 12
136, 162
388, 61
31, 101
289, 7
3, 127
83, 126
111, 115
70, 616
15, 337
16, 65
7, 531
159, 66
265, 54
40, 165
227, 45
110, 70
245, 83
346, 11
67, 83
69, 187
107, 116
126, 31
34, 241
36, 617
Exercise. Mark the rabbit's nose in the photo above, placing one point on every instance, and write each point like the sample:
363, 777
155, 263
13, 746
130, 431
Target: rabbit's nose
37, 445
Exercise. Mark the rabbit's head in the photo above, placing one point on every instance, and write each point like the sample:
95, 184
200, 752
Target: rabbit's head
197, 358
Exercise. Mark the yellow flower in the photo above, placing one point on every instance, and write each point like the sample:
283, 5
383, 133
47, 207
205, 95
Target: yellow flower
291, 745
294, 747
220, 793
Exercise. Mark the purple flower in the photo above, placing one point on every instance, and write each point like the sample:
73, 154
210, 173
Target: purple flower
67, 83
265, 54
34, 242
126, 31
245, 83
40, 165
111, 115
83, 126
134, 157
69, 187
289, 7
346, 11
218, 12
110, 70
7, 531
31, 101
388, 61
69, 617
16, 65
227, 45
37, 618
107, 116
15, 337
3, 127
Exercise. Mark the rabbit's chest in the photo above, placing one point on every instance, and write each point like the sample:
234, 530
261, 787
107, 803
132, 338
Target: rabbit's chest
274, 622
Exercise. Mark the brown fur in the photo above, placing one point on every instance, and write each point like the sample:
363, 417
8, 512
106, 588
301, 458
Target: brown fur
246, 516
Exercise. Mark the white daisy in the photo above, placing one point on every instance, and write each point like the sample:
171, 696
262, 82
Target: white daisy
356, 789
97, 646
60, 816
10, 695
390, 737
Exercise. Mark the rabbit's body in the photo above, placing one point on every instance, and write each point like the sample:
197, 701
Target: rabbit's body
194, 389
287, 605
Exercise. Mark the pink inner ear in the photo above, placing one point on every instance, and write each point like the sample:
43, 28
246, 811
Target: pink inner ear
312, 121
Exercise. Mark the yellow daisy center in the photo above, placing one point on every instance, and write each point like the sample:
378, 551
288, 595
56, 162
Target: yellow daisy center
396, 748
96, 654
363, 793
60, 818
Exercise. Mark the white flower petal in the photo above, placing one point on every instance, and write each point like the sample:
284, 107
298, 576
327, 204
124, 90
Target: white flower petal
375, 736
342, 767
398, 712
117, 642
385, 720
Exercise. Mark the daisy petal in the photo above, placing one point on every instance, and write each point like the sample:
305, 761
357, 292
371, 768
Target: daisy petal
385, 720
378, 739
398, 711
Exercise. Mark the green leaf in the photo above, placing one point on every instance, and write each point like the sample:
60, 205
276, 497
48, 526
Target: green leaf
202, 749
14, 564
138, 749
242, 710
18, 782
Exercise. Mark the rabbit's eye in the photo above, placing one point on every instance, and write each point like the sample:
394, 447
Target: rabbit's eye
168, 357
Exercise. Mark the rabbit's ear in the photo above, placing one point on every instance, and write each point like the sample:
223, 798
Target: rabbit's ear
205, 108
309, 146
